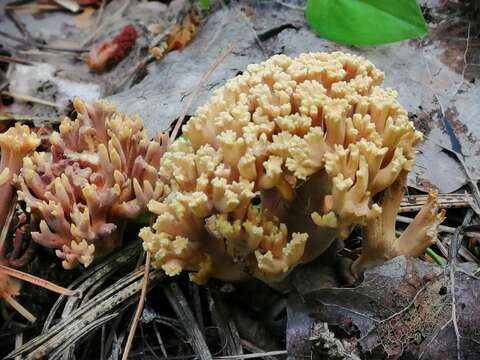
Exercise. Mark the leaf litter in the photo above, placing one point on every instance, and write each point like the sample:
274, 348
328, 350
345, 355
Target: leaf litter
434, 80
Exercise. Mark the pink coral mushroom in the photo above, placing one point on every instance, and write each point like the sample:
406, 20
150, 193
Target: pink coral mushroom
101, 171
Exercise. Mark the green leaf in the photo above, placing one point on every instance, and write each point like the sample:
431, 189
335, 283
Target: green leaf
204, 4
366, 22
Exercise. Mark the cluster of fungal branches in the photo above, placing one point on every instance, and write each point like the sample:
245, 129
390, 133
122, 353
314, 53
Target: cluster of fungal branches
324, 147
99, 172
315, 138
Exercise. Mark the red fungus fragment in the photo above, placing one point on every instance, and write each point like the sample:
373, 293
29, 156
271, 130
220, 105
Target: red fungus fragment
106, 53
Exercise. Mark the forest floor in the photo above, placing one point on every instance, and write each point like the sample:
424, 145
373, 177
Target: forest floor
425, 308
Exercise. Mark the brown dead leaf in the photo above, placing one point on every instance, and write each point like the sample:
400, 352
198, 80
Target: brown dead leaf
404, 309
181, 35
84, 20
156, 28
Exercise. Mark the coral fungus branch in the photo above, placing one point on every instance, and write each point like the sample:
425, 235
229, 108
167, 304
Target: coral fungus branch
380, 242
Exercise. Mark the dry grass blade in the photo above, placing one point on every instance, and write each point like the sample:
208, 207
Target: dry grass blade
120, 294
14, 60
253, 356
109, 20
227, 329
6, 226
32, 99
19, 308
205, 77
182, 310
32, 7
138, 311
445, 201
16, 117
194, 293
97, 274
82, 331
38, 281
254, 349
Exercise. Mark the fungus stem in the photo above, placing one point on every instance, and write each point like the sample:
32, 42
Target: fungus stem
285, 190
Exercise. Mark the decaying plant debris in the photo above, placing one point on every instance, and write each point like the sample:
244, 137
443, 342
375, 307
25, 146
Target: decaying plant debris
83, 194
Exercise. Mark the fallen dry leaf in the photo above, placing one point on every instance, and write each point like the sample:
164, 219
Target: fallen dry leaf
84, 20
402, 308
178, 38
181, 35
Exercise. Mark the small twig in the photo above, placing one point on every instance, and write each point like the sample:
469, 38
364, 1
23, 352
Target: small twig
453, 254
160, 340
96, 27
114, 17
412, 203
465, 64
456, 241
28, 98
14, 38
20, 117
254, 349
32, 7
19, 308
253, 356
180, 306
454, 311
18, 343
14, 60
290, 6
6, 227
252, 30
197, 90
38, 281
129, 73
59, 48
138, 311
19, 25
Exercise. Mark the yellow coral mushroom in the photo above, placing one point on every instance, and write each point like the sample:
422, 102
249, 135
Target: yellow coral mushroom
16, 143
317, 138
